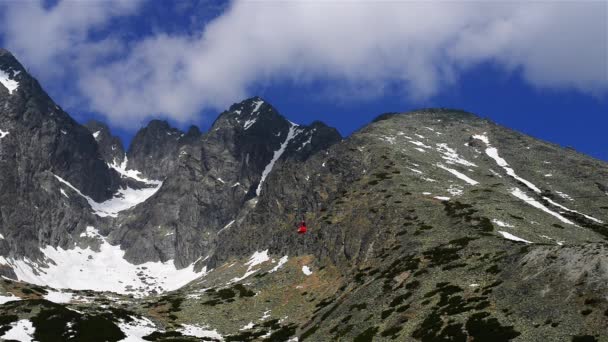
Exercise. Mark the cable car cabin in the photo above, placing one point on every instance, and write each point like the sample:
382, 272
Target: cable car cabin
302, 228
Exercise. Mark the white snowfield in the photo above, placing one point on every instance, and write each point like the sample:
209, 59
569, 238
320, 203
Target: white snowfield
3, 133
124, 199
104, 270
7, 82
58, 297
22, 330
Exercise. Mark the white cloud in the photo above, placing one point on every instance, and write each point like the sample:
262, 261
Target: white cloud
420, 47
51, 38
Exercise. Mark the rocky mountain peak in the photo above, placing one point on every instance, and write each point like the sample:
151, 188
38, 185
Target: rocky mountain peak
155, 148
110, 146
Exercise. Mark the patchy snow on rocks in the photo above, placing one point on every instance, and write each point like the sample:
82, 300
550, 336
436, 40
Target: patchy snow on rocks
282, 262
22, 330
559, 243
248, 326
90, 232
460, 175
442, 198
531, 201
306, 270
502, 224
492, 152
134, 174
136, 329
455, 190
572, 211
124, 199
277, 154
200, 332
256, 259
3, 133
226, 226
451, 156
103, 270
7, 82
512, 237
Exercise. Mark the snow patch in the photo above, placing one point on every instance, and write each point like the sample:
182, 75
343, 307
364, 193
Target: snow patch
257, 105
104, 270
58, 297
306, 270
492, 152
122, 169
572, 211
226, 226
282, 262
200, 332
249, 123
277, 154
451, 156
125, 198
531, 201
564, 195
502, 224
455, 190
559, 243
442, 198
512, 237
136, 329
459, 175
3, 133
22, 330
420, 144
247, 326
96, 134
6, 81
256, 259
90, 232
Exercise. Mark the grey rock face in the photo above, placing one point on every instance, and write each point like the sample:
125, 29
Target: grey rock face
42, 141
154, 149
110, 147
213, 181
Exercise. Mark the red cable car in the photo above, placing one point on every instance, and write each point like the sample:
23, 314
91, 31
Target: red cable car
302, 227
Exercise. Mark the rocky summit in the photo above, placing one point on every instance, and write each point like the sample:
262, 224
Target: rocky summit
432, 225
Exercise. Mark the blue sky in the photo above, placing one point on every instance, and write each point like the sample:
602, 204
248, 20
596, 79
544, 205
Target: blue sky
537, 67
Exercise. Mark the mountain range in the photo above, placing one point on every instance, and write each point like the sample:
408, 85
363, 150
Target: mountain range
432, 225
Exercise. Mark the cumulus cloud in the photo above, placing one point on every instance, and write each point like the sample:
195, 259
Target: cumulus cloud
418, 47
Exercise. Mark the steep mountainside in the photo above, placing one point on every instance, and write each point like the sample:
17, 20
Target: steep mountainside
434, 225
109, 146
